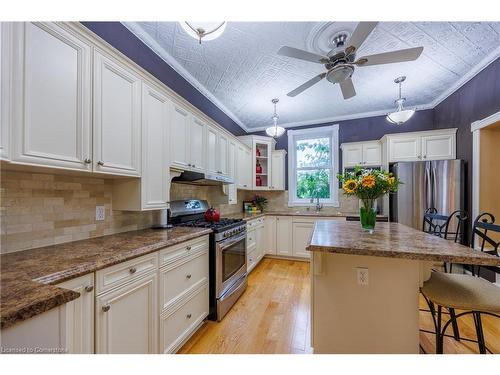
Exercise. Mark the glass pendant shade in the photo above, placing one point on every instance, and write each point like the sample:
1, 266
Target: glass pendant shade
400, 115
204, 30
275, 131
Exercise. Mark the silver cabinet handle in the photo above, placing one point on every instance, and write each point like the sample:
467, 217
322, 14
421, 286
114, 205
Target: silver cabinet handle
188, 316
100, 162
188, 276
89, 288
425, 156
189, 165
194, 166
133, 270
87, 161
106, 308
188, 248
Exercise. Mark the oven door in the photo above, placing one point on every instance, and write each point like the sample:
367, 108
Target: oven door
231, 262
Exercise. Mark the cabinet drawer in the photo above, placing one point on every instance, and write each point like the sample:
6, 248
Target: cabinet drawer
180, 278
175, 253
177, 324
255, 223
251, 239
122, 273
251, 258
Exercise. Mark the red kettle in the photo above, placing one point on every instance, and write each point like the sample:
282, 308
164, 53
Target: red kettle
212, 215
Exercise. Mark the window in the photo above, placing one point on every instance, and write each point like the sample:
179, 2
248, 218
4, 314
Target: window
313, 165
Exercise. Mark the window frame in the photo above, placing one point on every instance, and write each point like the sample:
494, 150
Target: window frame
332, 132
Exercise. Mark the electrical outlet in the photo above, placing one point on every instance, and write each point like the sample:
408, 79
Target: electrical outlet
362, 276
99, 213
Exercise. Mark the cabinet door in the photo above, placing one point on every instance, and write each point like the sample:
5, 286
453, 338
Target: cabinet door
179, 141
51, 106
117, 118
5, 88
79, 316
126, 318
222, 150
352, 155
372, 154
197, 144
270, 235
278, 171
155, 145
284, 235
240, 170
247, 169
404, 149
212, 137
233, 164
302, 232
438, 147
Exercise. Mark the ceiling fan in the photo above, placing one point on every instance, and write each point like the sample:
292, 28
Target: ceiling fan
341, 61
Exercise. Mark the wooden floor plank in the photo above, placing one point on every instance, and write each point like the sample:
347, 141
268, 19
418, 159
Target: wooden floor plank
273, 316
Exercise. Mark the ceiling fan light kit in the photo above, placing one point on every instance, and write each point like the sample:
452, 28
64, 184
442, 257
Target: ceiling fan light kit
340, 63
204, 30
275, 131
400, 115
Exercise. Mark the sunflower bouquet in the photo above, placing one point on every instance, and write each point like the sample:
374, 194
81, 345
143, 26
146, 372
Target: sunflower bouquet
368, 185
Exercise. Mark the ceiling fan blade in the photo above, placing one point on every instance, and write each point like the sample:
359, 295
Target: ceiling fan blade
347, 88
402, 55
306, 85
302, 55
360, 34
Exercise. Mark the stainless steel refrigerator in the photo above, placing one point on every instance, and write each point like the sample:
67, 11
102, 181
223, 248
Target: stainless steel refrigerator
438, 184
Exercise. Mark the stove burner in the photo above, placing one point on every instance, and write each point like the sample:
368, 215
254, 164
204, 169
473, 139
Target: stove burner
223, 224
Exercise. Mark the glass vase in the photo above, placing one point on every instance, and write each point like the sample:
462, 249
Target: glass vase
367, 215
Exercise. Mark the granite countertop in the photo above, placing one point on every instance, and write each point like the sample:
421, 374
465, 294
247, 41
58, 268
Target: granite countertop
28, 277
247, 216
392, 240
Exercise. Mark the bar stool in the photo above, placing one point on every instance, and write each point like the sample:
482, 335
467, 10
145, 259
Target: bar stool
465, 292
439, 225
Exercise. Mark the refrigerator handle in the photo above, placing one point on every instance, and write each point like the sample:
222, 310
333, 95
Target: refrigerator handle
428, 187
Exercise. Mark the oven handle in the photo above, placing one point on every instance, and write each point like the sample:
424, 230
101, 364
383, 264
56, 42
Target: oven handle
230, 241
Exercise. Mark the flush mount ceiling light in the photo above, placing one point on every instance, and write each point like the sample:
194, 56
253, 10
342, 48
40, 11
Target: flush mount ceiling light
275, 131
204, 30
400, 116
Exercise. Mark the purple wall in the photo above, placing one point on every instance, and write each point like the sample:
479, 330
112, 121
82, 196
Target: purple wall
127, 43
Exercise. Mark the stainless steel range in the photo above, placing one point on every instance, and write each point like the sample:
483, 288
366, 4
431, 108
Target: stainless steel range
227, 257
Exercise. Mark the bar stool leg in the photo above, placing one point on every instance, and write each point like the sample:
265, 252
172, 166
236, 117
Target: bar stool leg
439, 336
454, 324
479, 332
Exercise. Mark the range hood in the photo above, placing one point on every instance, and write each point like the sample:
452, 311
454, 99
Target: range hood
198, 178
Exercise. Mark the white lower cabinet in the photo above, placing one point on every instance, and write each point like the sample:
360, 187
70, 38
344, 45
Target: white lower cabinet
269, 242
79, 316
181, 320
255, 242
284, 235
126, 318
302, 231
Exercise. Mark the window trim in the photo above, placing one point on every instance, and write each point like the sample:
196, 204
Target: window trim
331, 131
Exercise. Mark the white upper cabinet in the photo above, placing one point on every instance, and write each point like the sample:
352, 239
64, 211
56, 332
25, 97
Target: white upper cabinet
211, 148
278, 170
223, 154
155, 184
179, 142
5, 87
197, 144
232, 166
361, 154
404, 148
217, 151
117, 117
428, 145
438, 147
243, 170
51, 91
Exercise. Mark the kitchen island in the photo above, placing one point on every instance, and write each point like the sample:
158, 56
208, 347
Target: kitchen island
365, 287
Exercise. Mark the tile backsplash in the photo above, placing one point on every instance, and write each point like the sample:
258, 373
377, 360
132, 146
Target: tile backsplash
41, 209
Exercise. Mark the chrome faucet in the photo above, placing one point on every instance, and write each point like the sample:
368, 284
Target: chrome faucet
319, 206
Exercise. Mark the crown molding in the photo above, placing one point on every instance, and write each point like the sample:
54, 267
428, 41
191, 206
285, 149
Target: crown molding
139, 32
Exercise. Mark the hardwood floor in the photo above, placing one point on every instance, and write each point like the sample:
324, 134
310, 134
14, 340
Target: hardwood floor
273, 316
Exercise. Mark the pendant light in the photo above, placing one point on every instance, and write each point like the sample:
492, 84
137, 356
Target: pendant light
400, 115
275, 131
204, 30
